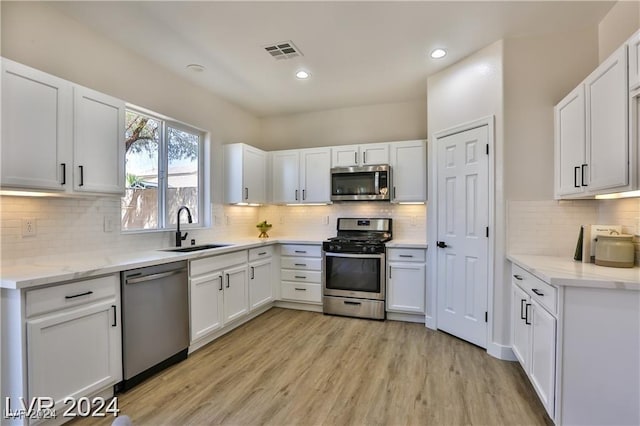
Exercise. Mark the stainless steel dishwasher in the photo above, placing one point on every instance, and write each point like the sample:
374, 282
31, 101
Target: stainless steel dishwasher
155, 320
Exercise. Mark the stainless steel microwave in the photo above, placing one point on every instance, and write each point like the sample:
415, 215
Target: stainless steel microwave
366, 183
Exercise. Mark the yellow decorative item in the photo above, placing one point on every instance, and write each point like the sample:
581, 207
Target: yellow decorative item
263, 227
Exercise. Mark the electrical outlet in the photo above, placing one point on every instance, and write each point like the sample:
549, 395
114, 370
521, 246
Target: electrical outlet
29, 227
107, 224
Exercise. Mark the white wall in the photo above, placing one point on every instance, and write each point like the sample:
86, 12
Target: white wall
467, 91
537, 76
362, 124
618, 25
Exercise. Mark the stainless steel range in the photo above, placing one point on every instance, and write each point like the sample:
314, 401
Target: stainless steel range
354, 279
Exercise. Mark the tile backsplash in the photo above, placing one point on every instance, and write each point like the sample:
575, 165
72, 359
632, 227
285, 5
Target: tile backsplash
72, 225
552, 227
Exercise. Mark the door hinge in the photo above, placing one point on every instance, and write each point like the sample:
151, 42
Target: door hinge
487, 146
487, 232
486, 316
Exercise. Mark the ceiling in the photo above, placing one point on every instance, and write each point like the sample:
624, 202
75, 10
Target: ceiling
357, 52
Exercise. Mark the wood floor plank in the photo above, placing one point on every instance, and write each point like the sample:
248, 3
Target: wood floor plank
294, 367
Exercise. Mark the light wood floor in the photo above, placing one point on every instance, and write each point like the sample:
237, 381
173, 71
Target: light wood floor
294, 367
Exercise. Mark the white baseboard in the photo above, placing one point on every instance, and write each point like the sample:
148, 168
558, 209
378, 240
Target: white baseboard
430, 322
299, 306
501, 352
397, 316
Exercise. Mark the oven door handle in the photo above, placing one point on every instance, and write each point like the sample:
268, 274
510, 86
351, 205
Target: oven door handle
355, 255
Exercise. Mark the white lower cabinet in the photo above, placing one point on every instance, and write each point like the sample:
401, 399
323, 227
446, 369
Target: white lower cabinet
534, 333
406, 280
301, 274
71, 343
219, 292
260, 277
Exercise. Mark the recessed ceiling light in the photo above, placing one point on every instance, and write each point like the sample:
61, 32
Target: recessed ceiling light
438, 53
302, 74
195, 67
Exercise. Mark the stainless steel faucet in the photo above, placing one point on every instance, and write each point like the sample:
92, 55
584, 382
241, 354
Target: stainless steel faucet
179, 236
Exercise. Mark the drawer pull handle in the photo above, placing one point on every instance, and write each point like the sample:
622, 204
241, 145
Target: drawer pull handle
253, 273
115, 316
518, 277
300, 289
300, 264
81, 176
526, 314
220, 289
300, 276
522, 314
300, 251
406, 255
346, 302
86, 293
228, 280
262, 253
64, 173
538, 292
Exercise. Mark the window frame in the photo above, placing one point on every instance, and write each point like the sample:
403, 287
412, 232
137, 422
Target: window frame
163, 169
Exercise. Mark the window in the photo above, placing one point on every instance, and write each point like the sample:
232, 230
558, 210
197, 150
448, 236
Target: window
164, 170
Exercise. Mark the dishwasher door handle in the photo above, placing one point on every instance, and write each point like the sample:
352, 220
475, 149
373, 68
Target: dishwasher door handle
154, 276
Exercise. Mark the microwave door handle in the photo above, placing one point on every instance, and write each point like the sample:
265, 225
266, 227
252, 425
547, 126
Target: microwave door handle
376, 183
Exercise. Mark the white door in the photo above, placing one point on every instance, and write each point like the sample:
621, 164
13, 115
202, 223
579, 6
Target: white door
405, 287
98, 142
463, 214
36, 129
286, 166
260, 289
236, 298
607, 117
315, 172
206, 304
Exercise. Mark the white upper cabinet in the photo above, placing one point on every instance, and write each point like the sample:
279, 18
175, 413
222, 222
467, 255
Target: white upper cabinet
634, 61
245, 169
570, 139
360, 155
592, 144
301, 176
59, 136
98, 142
409, 171
607, 97
36, 129
315, 175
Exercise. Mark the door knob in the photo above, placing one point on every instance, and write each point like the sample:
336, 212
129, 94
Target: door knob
441, 244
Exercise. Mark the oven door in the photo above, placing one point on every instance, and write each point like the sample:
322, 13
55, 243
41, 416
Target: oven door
354, 275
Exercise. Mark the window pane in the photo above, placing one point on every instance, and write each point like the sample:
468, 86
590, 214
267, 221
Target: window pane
140, 203
183, 150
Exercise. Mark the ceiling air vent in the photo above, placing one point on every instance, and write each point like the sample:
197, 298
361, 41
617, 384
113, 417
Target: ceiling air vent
283, 50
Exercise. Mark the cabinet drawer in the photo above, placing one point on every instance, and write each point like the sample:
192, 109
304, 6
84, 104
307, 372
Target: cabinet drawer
300, 250
215, 263
543, 293
301, 276
301, 292
406, 255
260, 253
72, 294
301, 263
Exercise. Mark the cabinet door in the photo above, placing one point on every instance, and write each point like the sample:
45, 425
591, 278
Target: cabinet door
236, 298
607, 118
519, 329
254, 174
570, 125
315, 174
406, 287
98, 142
260, 288
409, 169
344, 156
543, 355
206, 304
634, 61
375, 153
286, 177
36, 129
74, 353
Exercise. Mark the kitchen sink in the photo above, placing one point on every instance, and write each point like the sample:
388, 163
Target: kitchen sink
196, 248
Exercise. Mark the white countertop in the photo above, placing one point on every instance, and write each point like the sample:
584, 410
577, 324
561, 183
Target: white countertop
564, 271
407, 244
52, 269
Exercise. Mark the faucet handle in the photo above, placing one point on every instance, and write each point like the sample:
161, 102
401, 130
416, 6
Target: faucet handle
184, 237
